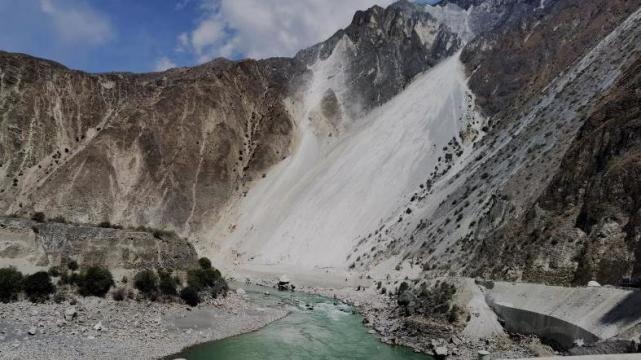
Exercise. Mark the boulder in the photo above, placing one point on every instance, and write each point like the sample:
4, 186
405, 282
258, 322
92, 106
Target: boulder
71, 313
440, 352
284, 284
593, 284
241, 292
32, 331
98, 326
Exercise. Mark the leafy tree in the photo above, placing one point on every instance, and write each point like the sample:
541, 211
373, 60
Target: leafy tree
147, 282
105, 224
167, 284
200, 279
190, 296
72, 265
54, 271
38, 286
38, 217
119, 294
10, 284
207, 279
204, 263
95, 281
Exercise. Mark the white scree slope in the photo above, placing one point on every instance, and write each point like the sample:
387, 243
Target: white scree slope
311, 209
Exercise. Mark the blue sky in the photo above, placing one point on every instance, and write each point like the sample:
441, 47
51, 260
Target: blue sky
147, 35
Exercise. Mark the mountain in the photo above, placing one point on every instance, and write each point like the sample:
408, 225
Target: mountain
474, 137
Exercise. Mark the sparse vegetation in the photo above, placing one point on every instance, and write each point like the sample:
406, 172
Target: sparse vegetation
59, 219
38, 217
435, 301
105, 224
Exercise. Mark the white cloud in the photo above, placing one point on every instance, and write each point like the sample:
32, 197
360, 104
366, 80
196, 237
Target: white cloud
264, 28
164, 63
208, 33
76, 23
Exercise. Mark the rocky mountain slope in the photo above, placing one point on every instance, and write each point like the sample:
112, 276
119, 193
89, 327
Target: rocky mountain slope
160, 149
489, 218
475, 137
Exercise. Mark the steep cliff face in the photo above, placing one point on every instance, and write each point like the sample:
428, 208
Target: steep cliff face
467, 216
589, 213
575, 223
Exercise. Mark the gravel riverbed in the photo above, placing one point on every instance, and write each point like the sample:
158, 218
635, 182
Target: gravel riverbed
95, 328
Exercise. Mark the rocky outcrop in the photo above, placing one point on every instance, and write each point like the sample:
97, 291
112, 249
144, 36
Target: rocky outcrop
25, 242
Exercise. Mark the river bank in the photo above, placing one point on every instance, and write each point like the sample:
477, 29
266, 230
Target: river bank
95, 328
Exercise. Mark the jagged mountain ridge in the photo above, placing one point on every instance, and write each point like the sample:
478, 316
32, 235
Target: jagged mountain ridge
156, 123
200, 149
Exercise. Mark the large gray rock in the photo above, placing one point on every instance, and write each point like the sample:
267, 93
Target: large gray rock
70, 313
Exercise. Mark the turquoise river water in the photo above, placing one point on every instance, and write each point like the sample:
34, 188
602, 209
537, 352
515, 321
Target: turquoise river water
317, 328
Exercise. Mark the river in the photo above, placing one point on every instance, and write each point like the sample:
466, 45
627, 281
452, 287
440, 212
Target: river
317, 328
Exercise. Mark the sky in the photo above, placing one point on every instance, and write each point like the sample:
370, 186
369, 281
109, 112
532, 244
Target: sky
154, 35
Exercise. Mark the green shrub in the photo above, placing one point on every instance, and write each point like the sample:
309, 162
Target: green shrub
403, 288
10, 284
95, 281
38, 217
204, 263
219, 288
59, 219
190, 296
105, 224
72, 265
59, 297
38, 286
119, 294
200, 279
146, 282
167, 284
54, 271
